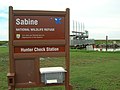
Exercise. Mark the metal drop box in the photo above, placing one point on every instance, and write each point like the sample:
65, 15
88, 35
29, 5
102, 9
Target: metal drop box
51, 75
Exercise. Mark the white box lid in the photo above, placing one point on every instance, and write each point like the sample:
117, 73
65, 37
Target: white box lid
52, 70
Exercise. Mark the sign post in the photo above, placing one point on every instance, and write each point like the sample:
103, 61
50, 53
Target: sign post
34, 34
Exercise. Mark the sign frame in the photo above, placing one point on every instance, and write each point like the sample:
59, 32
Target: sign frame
16, 58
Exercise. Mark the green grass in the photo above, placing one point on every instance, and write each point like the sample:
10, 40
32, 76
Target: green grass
89, 69
98, 70
3, 67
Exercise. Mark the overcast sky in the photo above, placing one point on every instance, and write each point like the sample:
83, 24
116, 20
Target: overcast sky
100, 17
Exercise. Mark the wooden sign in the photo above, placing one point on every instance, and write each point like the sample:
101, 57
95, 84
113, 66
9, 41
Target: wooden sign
39, 49
34, 34
39, 27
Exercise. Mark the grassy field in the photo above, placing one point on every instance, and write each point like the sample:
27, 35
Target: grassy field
89, 69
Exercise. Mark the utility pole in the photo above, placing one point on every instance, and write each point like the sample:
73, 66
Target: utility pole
106, 42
